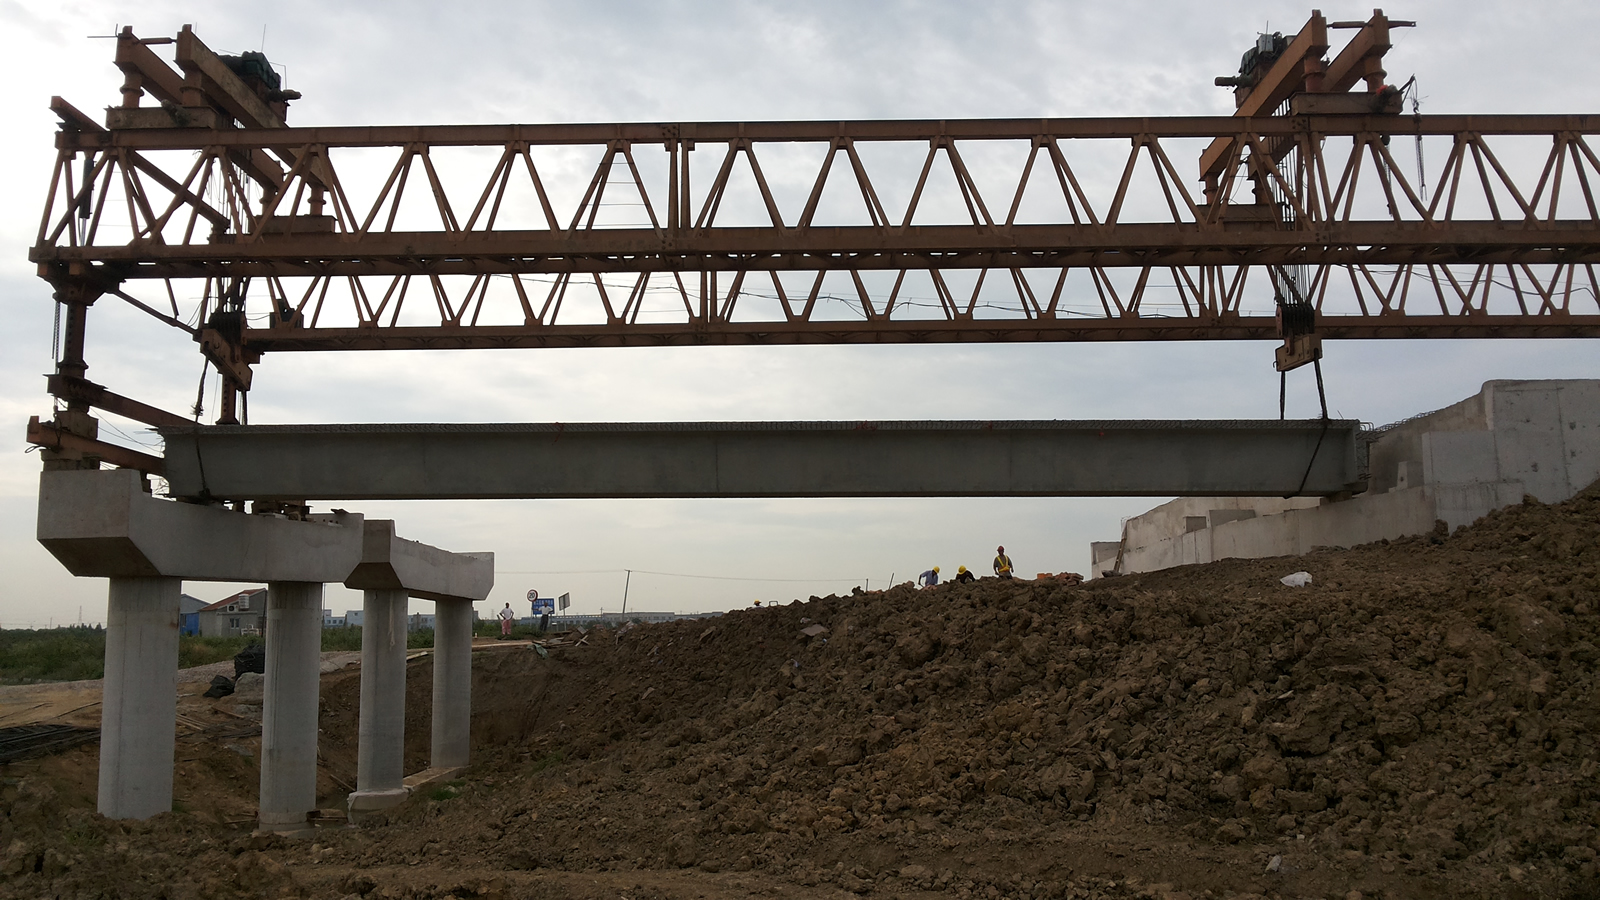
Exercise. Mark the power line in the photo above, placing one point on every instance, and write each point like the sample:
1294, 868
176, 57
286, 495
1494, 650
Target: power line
737, 578
678, 575
565, 572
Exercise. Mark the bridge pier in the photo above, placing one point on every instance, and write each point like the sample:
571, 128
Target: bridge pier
139, 707
290, 705
392, 570
452, 685
105, 524
380, 759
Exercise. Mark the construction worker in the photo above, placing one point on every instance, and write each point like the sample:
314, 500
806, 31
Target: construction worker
1002, 563
963, 576
929, 578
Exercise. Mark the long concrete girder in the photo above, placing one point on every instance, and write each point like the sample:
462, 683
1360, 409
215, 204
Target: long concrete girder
764, 459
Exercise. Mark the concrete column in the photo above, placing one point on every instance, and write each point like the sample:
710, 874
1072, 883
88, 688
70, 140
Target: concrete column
139, 711
289, 705
452, 683
380, 755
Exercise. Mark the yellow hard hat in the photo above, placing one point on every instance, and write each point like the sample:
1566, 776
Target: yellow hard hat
936, 568
961, 568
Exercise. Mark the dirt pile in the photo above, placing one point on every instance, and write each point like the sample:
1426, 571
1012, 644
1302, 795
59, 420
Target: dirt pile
1418, 721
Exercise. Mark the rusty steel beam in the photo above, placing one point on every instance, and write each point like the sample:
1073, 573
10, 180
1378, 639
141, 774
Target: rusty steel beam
855, 247
47, 435
869, 261
81, 390
1060, 330
1108, 127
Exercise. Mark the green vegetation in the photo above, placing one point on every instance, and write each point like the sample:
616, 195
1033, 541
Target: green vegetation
447, 791
54, 654
78, 654
341, 639
490, 628
547, 761
194, 650
82, 836
350, 638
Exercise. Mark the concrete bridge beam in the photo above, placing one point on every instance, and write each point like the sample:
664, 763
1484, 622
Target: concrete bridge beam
766, 459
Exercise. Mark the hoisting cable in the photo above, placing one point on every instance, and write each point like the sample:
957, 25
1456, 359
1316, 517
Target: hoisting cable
200, 395
1317, 364
1297, 323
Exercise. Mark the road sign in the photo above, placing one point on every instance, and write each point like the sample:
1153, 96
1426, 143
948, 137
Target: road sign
566, 600
532, 596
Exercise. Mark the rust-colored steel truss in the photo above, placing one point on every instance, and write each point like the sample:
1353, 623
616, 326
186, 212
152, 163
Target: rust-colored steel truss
335, 270
213, 215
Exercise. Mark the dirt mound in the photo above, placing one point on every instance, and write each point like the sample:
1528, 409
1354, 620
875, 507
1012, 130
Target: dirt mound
1418, 721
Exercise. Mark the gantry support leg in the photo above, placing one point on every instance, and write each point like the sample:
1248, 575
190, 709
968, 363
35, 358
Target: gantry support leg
289, 710
139, 706
380, 755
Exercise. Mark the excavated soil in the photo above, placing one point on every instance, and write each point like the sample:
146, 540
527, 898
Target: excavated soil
1420, 721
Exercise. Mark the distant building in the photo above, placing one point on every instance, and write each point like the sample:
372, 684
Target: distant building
245, 613
189, 614
420, 622
329, 620
354, 617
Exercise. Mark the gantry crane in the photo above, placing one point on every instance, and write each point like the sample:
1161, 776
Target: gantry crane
199, 204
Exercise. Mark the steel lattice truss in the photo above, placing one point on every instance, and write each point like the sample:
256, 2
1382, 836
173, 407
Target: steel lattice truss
333, 238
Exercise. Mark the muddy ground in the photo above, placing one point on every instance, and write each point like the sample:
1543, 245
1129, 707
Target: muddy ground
1420, 721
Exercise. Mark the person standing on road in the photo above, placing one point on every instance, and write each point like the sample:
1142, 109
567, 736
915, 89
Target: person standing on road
1002, 563
929, 578
507, 618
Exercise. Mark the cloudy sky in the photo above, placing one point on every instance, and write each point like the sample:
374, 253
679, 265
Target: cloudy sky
466, 62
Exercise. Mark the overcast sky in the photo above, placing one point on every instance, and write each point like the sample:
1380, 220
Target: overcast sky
465, 62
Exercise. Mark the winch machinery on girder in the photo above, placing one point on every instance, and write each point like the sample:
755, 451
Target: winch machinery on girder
206, 210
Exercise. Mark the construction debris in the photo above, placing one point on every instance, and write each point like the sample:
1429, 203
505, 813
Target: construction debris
30, 741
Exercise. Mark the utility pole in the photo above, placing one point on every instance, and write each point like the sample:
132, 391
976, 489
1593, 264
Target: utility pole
625, 583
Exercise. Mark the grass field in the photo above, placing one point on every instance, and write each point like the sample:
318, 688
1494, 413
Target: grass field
77, 654
491, 628
56, 654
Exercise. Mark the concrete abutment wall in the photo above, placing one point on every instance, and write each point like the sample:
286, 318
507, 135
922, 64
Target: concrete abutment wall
1455, 465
